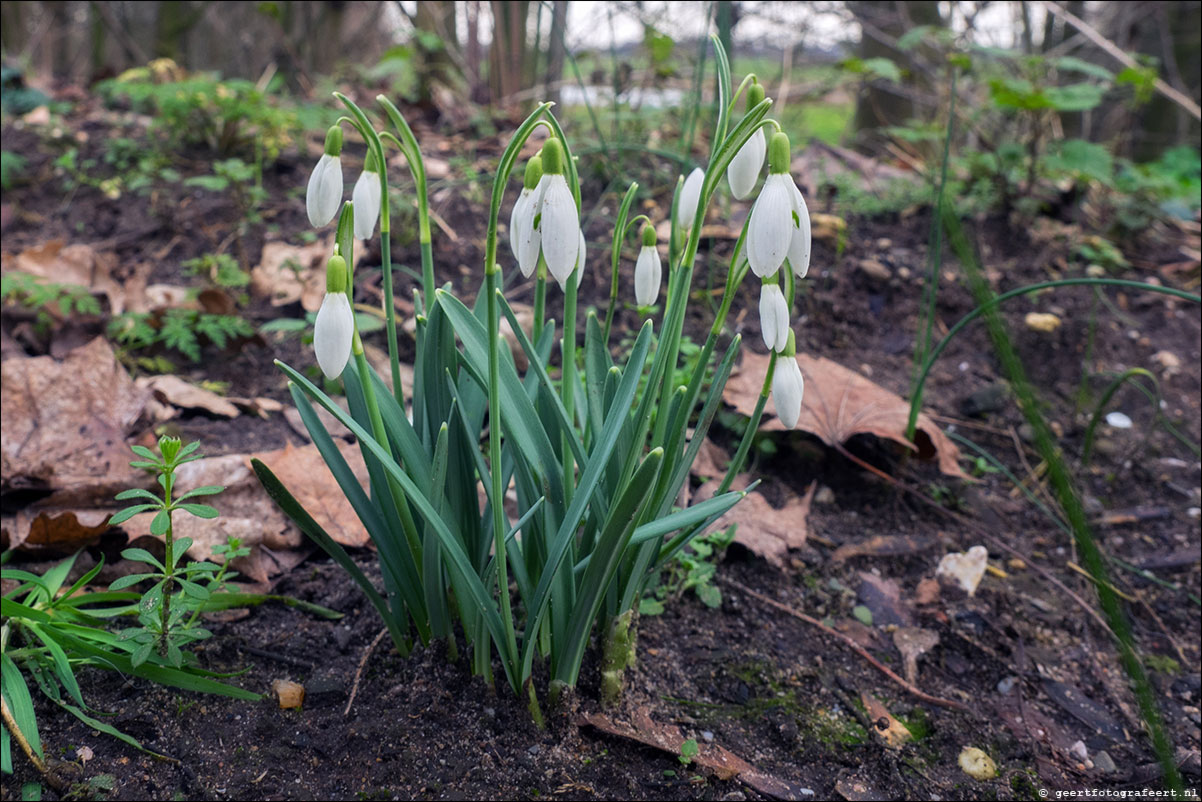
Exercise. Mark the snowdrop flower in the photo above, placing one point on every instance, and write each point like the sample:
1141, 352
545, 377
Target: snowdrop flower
788, 387
366, 198
556, 218
690, 196
744, 169
648, 270
335, 326
523, 239
774, 315
780, 221
325, 184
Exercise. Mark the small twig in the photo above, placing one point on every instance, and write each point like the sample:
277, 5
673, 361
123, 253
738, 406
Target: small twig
38, 763
857, 648
279, 658
1114, 50
359, 672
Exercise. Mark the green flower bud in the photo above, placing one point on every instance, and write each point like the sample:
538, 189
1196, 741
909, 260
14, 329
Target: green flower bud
371, 164
648, 236
534, 171
336, 274
334, 141
755, 94
778, 153
552, 157
791, 345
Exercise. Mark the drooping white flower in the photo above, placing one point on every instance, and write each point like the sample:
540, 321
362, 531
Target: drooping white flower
366, 197
788, 387
324, 192
780, 222
556, 216
774, 317
648, 270
690, 196
524, 239
744, 169
334, 328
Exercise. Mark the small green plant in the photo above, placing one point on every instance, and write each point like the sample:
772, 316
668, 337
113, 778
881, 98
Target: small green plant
227, 117
219, 269
167, 616
244, 180
185, 331
693, 568
50, 301
12, 165
688, 751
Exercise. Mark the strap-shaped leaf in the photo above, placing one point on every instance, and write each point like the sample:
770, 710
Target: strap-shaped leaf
593, 470
518, 413
16, 693
604, 561
389, 540
62, 666
477, 594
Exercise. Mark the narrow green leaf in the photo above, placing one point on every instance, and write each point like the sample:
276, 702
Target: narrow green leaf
16, 693
199, 510
142, 556
161, 523
137, 492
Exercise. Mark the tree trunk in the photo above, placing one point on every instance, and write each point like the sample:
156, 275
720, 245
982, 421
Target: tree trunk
507, 74
556, 50
881, 103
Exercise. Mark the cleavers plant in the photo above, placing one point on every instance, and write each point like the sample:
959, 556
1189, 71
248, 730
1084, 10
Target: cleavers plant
521, 512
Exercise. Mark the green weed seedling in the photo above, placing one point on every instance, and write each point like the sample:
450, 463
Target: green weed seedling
167, 615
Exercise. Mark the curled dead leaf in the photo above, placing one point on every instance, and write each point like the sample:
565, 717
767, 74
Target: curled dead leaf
840, 403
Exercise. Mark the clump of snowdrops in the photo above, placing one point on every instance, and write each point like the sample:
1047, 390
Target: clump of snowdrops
594, 463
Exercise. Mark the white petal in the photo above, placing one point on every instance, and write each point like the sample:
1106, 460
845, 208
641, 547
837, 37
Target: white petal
648, 273
690, 196
519, 219
799, 245
744, 169
325, 190
332, 334
774, 317
788, 387
366, 198
771, 227
559, 226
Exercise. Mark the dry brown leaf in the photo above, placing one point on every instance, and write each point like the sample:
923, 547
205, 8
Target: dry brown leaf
64, 423
288, 273
725, 764
764, 530
55, 529
179, 393
72, 264
839, 403
711, 461
304, 473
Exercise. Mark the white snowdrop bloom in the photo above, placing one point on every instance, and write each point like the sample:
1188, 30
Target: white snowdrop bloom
366, 199
744, 169
774, 317
524, 239
780, 221
648, 270
335, 326
558, 219
788, 387
325, 184
690, 196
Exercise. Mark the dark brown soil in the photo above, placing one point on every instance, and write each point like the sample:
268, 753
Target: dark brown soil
1035, 670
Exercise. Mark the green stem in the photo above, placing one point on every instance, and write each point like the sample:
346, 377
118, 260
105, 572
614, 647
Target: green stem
753, 426
1091, 429
499, 525
916, 399
168, 563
